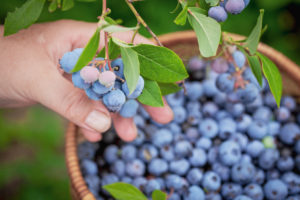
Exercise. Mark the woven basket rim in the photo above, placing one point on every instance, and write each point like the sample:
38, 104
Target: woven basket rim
78, 184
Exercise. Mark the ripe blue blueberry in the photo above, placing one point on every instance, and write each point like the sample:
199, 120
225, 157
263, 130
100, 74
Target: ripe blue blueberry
209, 87
242, 172
227, 128
235, 6
161, 137
179, 114
222, 170
152, 185
128, 152
88, 167
231, 190
140, 138
243, 122
194, 193
87, 150
118, 168
167, 153
208, 128
109, 179
203, 143
157, 167
239, 58
183, 148
196, 64
225, 82
236, 109
229, 153
135, 168
268, 158
100, 89
241, 139
79, 82
255, 148
194, 90
69, 60
174, 196
242, 197
198, 158
129, 109
114, 100
275, 189
289, 102
93, 182
175, 182
111, 153
138, 90
139, 182
292, 181
289, 132
176, 99
211, 181
118, 67
147, 152
254, 191
269, 100
213, 196
209, 109
282, 114
285, 163
218, 13
259, 176
194, 176
179, 167
273, 128
126, 179
212, 154
93, 95
192, 134
263, 114
257, 130
248, 94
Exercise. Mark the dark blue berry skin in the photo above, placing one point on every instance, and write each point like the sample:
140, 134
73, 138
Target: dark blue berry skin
194, 176
248, 94
138, 90
243, 122
139, 182
289, 102
254, 191
294, 197
255, 148
129, 109
126, 179
285, 163
100, 89
213, 196
87, 150
212, 155
292, 181
272, 174
69, 60
236, 109
268, 158
263, 114
135, 168
220, 99
118, 168
194, 193
88, 167
239, 58
192, 134
229, 153
179, 114
273, 128
174, 181
259, 176
275, 189
79, 82
225, 82
92, 95
167, 153
161, 137
179, 167
289, 132
231, 190
253, 106
140, 138
282, 114
204, 143
111, 153
257, 130
242, 197
93, 182
128, 152
242, 172
114, 100
198, 158
152, 185
158, 166
208, 128
297, 147
148, 152
211, 181
222, 170
176, 99
241, 139
235, 6
218, 13
210, 88
209, 109
194, 90
183, 148
269, 100
118, 67
222, 114
109, 179
174, 196
227, 127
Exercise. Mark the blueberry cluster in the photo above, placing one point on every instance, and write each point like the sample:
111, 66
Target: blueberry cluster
104, 84
219, 12
215, 148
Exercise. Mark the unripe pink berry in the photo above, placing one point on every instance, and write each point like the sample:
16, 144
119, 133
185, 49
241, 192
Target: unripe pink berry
219, 65
89, 74
107, 78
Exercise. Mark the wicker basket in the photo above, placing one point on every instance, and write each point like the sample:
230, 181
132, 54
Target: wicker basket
184, 44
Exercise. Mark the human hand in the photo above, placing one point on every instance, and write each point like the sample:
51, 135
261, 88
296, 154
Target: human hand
30, 74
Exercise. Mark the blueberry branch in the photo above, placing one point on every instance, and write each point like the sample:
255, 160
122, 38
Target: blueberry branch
104, 10
140, 19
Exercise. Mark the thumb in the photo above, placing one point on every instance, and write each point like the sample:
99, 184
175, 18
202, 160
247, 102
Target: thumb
59, 94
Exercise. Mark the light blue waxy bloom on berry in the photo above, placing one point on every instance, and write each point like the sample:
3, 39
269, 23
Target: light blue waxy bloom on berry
79, 82
114, 100
118, 67
276, 189
138, 90
218, 13
129, 109
69, 60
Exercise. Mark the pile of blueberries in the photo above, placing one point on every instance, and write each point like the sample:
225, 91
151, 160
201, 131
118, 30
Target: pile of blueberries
100, 83
219, 13
222, 143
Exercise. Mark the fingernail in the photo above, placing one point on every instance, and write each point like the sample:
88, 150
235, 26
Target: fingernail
98, 121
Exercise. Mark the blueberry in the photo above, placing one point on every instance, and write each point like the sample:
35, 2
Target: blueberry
194, 90
129, 109
138, 90
93, 95
297, 147
174, 196
251, 107
289, 102
294, 197
222, 114
212, 196
161, 182
218, 13
176, 99
289, 132
248, 94
152, 185
239, 58
135, 168
246, 2
196, 64
111, 153
69, 60
192, 134
128, 152
242, 197
100, 89
204, 143
109, 179
158, 166
241, 139
229, 153
148, 152
167, 153
259, 176
220, 99
272, 174
79, 82
195, 193
179, 114
227, 127
198, 158
254, 191
273, 128
209, 87
269, 100
263, 114
282, 114
208, 128
161, 137
114, 100
255, 148
236, 109
231, 190
175, 182
174, 128
243, 122
126, 179
140, 138
211, 181
222, 170
235, 6
275, 189
257, 130
242, 172
118, 67
225, 83
92, 181
183, 148
209, 109
194, 176
179, 167
87, 150
139, 182
212, 154
285, 163
268, 158
219, 65
297, 161
292, 181
118, 168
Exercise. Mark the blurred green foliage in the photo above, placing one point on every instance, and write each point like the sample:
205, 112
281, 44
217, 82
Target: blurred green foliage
31, 147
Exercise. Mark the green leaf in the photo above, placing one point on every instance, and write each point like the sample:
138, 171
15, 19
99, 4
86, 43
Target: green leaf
131, 67
112, 21
176, 8
121, 43
255, 67
53, 5
88, 52
254, 37
151, 94
203, 4
181, 18
160, 63
159, 195
273, 76
168, 88
212, 2
113, 50
264, 29
116, 28
67, 4
23, 17
86, 0
124, 191
208, 32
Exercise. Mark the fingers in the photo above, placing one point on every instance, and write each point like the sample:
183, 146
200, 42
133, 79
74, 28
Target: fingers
125, 127
161, 115
58, 94
91, 136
